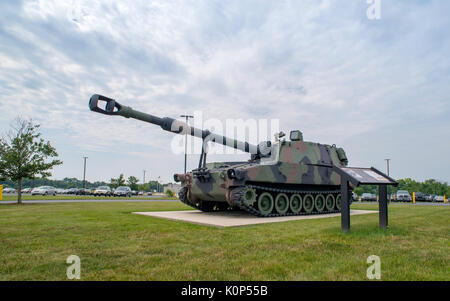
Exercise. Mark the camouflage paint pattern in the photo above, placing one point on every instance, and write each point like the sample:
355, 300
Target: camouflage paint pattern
293, 163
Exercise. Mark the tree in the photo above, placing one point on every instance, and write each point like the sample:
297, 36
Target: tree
120, 181
170, 193
132, 181
23, 154
149, 186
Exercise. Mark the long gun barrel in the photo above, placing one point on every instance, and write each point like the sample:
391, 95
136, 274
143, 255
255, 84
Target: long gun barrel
112, 107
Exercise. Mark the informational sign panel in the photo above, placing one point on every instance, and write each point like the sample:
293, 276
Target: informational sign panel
367, 176
363, 176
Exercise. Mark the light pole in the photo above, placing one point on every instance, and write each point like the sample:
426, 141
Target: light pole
158, 185
185, 140
389, 187
84, 173
143, 182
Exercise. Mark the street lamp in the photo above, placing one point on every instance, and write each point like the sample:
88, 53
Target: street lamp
84, 173
185, 140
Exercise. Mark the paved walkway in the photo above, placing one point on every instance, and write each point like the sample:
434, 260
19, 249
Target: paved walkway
235, 218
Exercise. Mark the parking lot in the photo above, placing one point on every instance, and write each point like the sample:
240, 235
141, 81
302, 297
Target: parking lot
27, 198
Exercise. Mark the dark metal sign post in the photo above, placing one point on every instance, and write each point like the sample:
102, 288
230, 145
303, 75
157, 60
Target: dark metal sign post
363, 176
383, 206
345, 205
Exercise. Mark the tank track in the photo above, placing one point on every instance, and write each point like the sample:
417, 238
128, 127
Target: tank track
238, 198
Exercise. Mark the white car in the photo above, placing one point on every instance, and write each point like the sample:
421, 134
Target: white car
403, 196
9, 190
103, 190
44, 190
439, 198
59, 190
26, 190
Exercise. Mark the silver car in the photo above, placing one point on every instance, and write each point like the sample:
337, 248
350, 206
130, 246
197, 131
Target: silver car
403, 196
103, 190
439, 198
122, 191
44, 190
9, 190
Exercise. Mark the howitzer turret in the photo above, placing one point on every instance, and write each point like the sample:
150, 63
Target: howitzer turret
282, 178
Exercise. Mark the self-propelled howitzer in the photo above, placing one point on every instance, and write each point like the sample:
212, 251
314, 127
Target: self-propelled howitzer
292, 177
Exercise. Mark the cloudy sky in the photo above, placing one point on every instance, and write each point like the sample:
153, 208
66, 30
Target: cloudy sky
378, 88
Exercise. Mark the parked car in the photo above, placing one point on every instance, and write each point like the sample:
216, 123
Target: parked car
123, 191
26, 190
439, 198
420, 197
44, 190
149, 193
103, 190
430, 198
140, 193
368, 197
134, 192
9, 190
403, 196
83, 191
72, 190
59, 190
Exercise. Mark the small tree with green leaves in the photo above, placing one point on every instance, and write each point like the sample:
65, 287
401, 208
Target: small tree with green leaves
170, 193
132, 181
24, 155
120, 181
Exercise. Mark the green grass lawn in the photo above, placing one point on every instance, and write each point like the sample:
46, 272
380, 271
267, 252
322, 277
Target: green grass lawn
36, 239
81, 197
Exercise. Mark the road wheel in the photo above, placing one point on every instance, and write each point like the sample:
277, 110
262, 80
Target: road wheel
308, 203
296, 203
329, 202
282, 203
319, 202
265, 203
338, 202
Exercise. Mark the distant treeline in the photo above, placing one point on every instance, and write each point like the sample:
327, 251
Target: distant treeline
428, 186
75, 183
64, 183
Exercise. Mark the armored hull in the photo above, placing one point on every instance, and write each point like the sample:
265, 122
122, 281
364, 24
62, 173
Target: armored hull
297, 178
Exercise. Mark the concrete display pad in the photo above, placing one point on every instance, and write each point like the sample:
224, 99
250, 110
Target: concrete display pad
235, 218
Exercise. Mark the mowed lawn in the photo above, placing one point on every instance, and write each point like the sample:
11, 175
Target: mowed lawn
113, 244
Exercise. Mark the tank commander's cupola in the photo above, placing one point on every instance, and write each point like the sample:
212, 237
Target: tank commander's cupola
296, 136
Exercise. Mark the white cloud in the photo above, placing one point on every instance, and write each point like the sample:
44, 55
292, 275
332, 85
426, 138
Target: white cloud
320, 66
